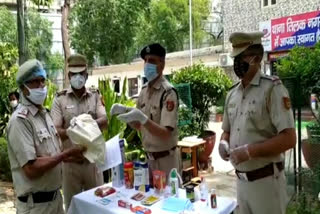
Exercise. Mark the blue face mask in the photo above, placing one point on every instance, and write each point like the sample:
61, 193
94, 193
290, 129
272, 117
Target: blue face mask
150, 71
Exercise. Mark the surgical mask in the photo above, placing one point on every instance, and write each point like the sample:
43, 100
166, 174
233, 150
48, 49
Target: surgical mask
37, 95
150, 71
13, 103
240, 66
77, 81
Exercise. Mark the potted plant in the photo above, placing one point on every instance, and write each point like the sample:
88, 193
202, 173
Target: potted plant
302, 65
208, 85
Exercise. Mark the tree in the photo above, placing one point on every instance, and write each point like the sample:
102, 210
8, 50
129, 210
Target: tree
21, 22
39, 36
8, 69
65, 39
8, 27
105, 29
167, 22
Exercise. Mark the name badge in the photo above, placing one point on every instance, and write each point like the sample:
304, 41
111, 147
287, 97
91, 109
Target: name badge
70, 107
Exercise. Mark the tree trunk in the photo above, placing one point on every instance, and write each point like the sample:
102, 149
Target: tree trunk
21, 32
65, 40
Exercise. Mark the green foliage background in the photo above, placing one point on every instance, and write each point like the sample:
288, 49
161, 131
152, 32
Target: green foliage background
208, 85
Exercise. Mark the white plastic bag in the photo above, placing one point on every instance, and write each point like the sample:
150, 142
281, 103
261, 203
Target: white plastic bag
84, 130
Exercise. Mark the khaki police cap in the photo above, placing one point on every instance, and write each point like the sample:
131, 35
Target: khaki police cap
77, 63
241, 41
29, 70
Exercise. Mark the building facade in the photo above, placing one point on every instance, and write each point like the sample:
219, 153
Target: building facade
250, 15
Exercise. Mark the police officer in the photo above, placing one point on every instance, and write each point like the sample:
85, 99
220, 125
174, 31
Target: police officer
156, 114
258, 128
34, 146
79, 175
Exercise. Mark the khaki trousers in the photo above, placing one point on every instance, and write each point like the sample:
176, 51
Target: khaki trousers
166, 163
264, 196
78, 178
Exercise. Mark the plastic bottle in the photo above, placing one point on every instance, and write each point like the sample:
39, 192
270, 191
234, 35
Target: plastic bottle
213, 199
128, 175
118, 171
203, 190
174, 182
137, 175
145, 171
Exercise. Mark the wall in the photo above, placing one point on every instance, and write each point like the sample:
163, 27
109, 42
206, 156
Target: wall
245, 15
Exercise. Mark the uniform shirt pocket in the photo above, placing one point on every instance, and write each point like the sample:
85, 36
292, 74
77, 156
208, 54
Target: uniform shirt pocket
232, 114
69, 113
44, 137
155, 114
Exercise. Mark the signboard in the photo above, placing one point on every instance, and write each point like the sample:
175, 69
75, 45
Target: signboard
265, 27
287, 32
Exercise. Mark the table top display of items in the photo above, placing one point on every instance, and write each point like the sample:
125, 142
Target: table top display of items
130, 192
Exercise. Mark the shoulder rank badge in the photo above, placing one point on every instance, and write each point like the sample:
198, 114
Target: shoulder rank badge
286, 102
170, 105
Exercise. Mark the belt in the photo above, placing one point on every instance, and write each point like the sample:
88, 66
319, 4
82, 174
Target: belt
157, 155
40, 197
259, 173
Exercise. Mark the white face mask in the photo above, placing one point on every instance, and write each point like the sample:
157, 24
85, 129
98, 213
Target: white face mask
78, 81
13, 103
37, 95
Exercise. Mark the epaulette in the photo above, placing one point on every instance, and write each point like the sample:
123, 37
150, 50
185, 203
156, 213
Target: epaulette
166, 85
234, 85
275, 79
22, 112
63, 92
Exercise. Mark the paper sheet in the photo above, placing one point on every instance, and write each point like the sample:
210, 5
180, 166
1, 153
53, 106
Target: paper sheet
113, 154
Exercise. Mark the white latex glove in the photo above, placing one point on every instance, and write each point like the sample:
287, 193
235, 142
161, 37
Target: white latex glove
224, 150
240, 154
135, 115
119, 109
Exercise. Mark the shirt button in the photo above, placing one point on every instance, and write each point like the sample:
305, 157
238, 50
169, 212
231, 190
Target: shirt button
240, 113
238, 129
243, 97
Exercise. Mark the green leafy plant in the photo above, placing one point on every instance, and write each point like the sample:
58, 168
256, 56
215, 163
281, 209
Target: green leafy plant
52, 89
110, 97
133, 146
306, 201
5, 170
208, 85
8, 70
303, 64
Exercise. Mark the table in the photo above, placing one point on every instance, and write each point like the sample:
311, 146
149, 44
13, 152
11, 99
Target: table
191, 148
86, 202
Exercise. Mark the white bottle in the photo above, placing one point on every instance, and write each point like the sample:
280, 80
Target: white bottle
174, 182
203, 190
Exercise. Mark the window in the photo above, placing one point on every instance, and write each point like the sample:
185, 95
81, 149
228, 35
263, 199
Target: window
266, 3
133, 86
116, 85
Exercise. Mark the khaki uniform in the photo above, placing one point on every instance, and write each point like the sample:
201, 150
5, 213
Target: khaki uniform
77, 176
252, 115
32, 134
164, 114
